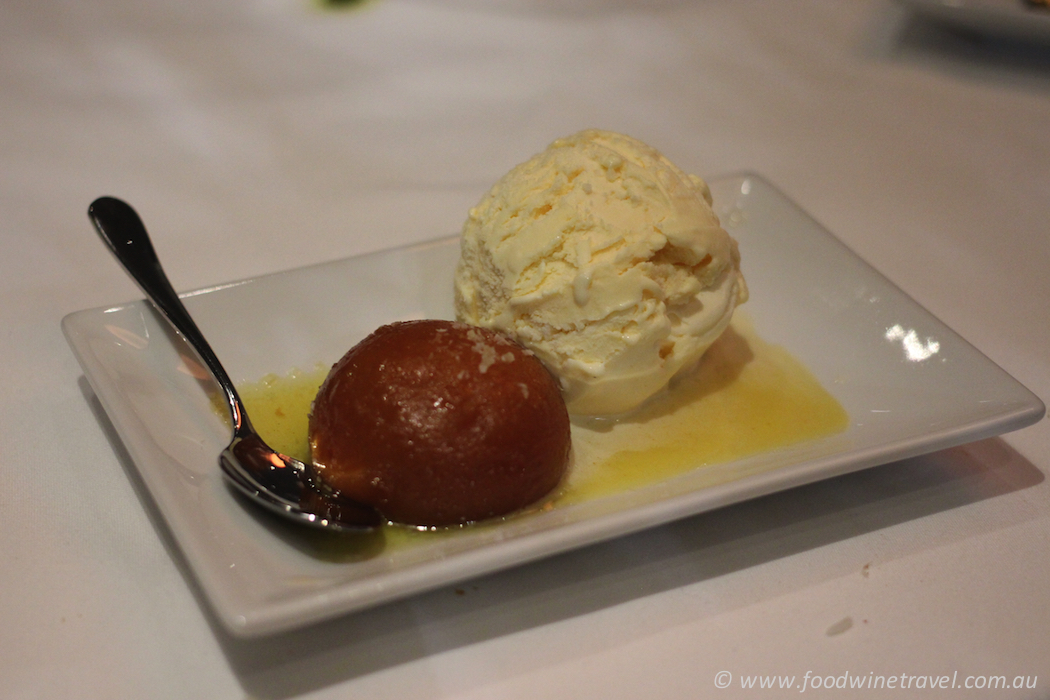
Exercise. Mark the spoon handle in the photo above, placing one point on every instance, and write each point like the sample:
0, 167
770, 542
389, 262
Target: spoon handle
125, 235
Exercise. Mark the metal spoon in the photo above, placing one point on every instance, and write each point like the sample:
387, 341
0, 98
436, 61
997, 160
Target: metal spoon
273, 480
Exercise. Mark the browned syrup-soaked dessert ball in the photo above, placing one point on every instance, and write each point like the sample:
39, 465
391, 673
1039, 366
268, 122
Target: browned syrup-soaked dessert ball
440, 423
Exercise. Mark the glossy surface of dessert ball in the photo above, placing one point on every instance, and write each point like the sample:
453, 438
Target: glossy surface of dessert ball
440, 423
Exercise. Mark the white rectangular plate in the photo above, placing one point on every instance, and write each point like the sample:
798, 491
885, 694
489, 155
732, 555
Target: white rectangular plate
909, 384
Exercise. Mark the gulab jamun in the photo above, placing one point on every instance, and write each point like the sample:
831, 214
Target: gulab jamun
437, 423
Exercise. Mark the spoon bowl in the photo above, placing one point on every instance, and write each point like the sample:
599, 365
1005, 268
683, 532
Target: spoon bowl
275, 481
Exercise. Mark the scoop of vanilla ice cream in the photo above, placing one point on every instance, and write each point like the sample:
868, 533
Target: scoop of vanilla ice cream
607, 261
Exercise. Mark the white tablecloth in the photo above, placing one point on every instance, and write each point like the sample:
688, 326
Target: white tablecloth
262, 135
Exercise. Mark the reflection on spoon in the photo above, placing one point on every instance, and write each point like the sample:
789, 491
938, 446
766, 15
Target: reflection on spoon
275, 481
